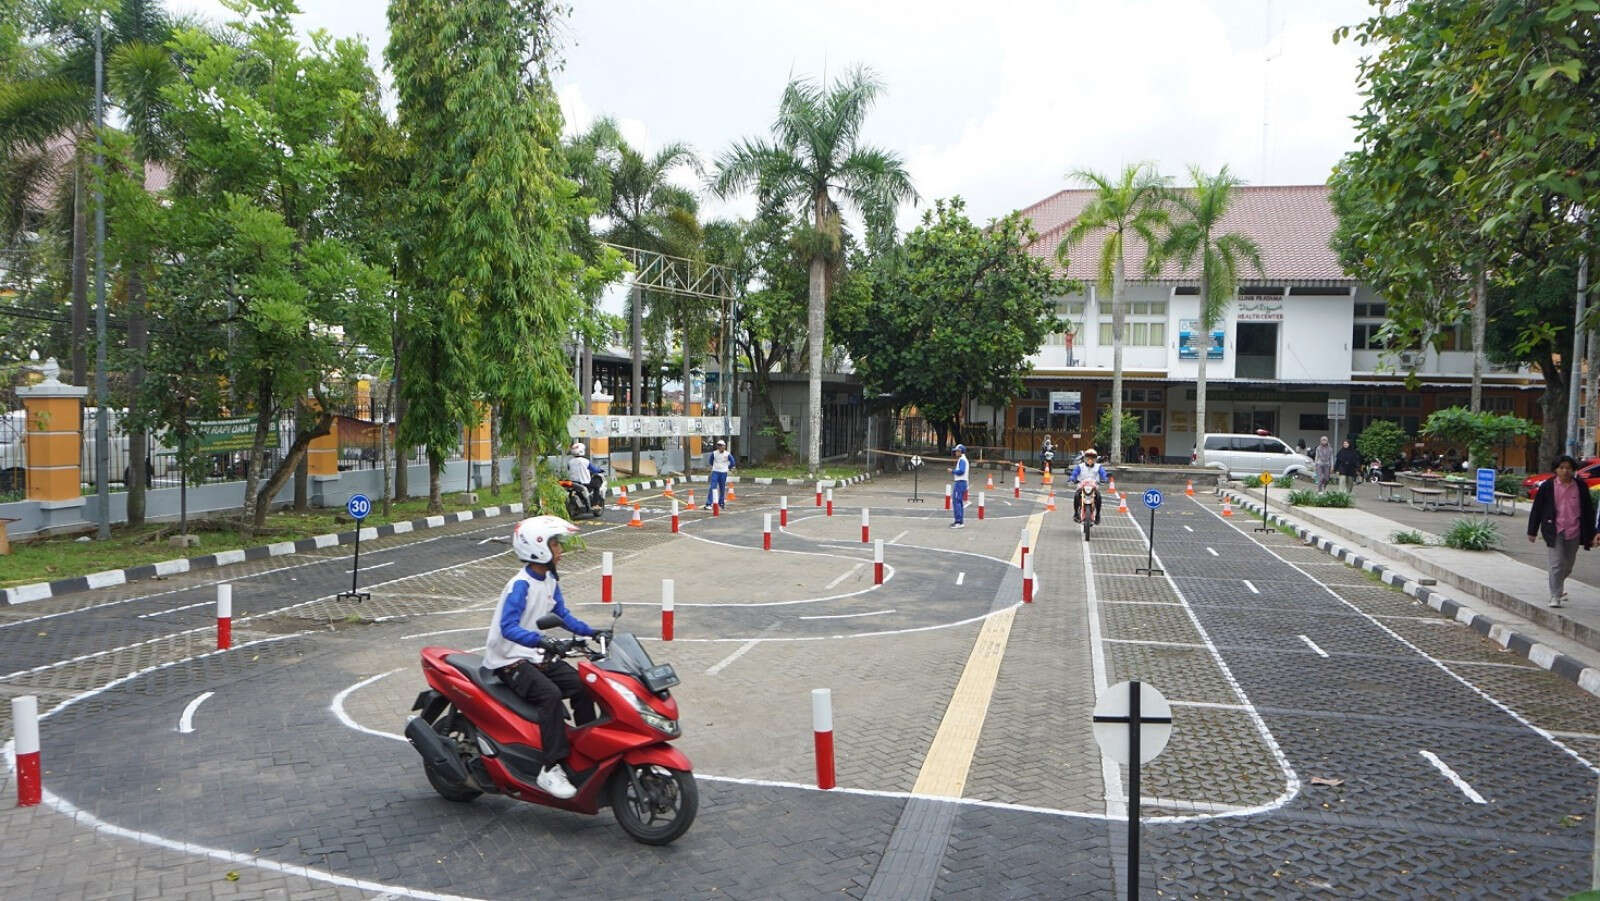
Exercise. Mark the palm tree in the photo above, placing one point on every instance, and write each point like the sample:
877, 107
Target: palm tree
1195, 235
816, 153
1134, 203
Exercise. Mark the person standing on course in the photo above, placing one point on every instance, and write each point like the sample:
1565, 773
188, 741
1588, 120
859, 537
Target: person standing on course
958, 488
1563, 514
1347, 463
721, 462
1323, 458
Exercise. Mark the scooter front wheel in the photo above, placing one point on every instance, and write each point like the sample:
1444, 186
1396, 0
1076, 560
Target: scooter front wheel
654, 804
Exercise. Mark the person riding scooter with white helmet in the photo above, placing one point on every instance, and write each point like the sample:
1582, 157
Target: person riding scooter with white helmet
529, 662
1091, 469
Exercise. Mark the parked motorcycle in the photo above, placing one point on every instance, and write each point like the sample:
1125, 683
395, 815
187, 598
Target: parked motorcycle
477, 736
1088, 493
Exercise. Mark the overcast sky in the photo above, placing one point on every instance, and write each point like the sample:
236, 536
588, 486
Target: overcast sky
996, 101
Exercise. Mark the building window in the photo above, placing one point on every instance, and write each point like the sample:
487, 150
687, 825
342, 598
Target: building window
1366, 336
1134, 396
1138, 334
1371, 311
1150, 421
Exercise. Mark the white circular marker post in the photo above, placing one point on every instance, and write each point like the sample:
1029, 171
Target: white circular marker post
605, 577
766, 531
25, 723
1132, 723
877, 562
666, 609
674, 515
822, 733
830, 501
783, 511
224, 616
864, 526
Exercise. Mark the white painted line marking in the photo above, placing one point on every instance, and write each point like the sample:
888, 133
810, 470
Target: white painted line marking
1450, 774
1208, 705
1188, 529
373, 566
842, 576
186, 722
337, 706
721, 664
1251, 587
1313, 646
961, 577
1109, 773
1213, 552
900, 536
849, 615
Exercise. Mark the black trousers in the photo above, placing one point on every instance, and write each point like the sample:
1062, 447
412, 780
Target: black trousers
544, 687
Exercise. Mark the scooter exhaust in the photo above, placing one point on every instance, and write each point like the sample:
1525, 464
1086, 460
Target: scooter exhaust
435, 752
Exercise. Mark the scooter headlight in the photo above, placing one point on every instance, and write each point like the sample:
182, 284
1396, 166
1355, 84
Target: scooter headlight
647, 713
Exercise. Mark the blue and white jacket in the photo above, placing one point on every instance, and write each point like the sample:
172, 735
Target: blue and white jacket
959, 472
527, 597
1081, 472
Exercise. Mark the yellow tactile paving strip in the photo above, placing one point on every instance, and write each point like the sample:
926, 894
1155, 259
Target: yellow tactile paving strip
944, 769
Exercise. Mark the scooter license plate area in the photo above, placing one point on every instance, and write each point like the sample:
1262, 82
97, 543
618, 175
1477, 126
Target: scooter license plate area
660, 677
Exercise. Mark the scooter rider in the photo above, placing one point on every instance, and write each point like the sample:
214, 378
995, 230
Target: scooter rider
582, 471
1090, 468
529, 662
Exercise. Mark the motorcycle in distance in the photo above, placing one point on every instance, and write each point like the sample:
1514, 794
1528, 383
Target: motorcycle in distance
1088, 492
588, 499
476, 736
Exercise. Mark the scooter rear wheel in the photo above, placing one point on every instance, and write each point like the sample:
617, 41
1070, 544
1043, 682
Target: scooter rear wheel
446, 725
665, 810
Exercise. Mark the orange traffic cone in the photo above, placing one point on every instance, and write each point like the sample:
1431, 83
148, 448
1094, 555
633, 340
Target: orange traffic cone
667, 492
1227, 508
690, 505
1050, 503
1022, 476
731, 495
1122, 503
622, 501
1113, 484
1049, 477
988, 483
1190, 489
635, 522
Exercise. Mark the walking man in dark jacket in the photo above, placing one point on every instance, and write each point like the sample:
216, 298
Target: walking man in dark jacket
1347, 463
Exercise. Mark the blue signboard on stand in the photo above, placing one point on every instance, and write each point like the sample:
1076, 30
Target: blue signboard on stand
1486, 485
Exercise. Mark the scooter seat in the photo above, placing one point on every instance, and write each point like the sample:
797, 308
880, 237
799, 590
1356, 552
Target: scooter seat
471, 666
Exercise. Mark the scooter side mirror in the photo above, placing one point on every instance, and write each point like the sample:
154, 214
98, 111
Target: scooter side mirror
548, 621
616, 611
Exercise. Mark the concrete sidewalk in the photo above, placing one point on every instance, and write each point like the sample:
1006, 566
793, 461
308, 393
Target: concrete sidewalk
1513, 592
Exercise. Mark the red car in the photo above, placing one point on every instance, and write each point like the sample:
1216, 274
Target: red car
1588, 473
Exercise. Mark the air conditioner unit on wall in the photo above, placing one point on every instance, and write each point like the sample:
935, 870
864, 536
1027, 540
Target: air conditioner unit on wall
1410, 358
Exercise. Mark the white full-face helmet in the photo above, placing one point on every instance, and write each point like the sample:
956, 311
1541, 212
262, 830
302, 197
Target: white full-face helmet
531, 539
578, 450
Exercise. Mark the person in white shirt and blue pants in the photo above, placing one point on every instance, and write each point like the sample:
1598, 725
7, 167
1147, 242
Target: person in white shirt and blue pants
958, 490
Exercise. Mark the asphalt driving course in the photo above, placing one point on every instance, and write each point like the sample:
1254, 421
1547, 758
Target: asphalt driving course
1330, 734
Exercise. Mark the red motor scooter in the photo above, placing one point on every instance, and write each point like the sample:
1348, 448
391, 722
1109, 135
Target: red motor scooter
475, 735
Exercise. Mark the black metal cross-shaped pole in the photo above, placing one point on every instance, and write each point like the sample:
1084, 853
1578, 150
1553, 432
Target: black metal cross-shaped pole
1135, 721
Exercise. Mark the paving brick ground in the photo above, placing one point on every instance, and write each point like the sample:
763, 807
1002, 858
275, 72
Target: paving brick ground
272, 773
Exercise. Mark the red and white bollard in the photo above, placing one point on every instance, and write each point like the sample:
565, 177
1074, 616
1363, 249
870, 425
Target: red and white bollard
819, 494
1027, 580
830, 501
1016, 487
25, 723
605, 576
674, 515
716, 503
947, 496
224, 616
766, 531
980, 505
877, 562
783, 511
864, 526
666, 609
822, 732
1024, 560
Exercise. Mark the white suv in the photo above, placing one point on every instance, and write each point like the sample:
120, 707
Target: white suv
1247, 455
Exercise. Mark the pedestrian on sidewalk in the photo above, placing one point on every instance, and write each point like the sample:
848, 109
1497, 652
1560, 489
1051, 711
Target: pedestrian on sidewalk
1347, 463
1323, 458
958, 487
1563, 514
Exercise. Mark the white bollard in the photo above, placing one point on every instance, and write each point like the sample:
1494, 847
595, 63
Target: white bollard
877, 562
783, 511
605, 577
766, 531
25, 724
1027, 580
674, 514
822, 732
980, 504
666, 609
830, 501
864, 525
224, 616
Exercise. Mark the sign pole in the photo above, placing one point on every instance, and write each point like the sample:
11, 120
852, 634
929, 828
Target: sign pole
1121, 716
358, 507
1266, 485
1152, 499
1133, 785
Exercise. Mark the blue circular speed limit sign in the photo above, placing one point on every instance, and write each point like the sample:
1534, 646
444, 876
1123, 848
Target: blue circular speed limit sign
1152, 498
358, 506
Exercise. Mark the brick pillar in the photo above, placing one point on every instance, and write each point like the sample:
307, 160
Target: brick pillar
55, 442
600, 448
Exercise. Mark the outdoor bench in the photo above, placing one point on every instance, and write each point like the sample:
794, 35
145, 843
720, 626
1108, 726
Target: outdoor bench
1426, 498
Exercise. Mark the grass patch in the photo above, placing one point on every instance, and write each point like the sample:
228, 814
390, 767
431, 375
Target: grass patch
796, 472
1471, 535
62, 557
1252, 482
1306, 497
1411, 536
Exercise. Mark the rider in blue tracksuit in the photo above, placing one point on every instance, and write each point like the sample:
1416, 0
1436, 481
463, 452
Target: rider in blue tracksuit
958, 489
1090, 468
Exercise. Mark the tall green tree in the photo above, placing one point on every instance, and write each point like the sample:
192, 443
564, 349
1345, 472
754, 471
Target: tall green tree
495, 204
955, 317
1132, 206
814, 155
1195, 235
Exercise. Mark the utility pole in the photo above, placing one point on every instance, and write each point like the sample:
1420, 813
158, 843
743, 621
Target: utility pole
1576, 379
102, 443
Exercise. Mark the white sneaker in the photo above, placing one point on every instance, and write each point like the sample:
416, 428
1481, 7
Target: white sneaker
553, 782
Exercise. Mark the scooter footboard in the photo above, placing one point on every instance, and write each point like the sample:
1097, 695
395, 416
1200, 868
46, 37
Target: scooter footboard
658, 755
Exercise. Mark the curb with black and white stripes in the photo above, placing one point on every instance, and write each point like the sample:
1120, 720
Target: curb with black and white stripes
40, 591
615, 490
1563, 665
